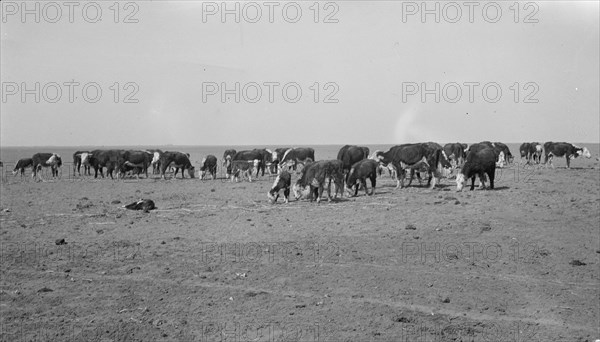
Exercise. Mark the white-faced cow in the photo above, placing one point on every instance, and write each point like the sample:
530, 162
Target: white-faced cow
456, 153
391, 169
265, 161
209, 164
22, 164
78, 160
318, 175
358, 174
177, 160
283, 181
417, 157
531, 152
479, 164
559, 149
109, 159
41, 160
295, 156
155, 162
276, 156
227, 158
243, 169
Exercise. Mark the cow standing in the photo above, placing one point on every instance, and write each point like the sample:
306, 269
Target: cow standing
358, 174
456, 153
138, 161
498, 150
276, 156
315, 176
560, 149
209, 164
479, 164
282, 181
243, 168
155, 162
111, 159
22, 164
531, 151
41, 160
350, 155
227, 158
179, 161
77, 162
295, 156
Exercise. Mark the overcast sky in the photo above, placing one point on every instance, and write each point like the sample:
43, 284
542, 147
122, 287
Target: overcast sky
361, 73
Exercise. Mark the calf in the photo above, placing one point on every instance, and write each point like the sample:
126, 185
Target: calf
51, 160
209, 164
243, 168
359, 172
283, 181
179, 161
350, 155
22, 164
478, 164
560, 149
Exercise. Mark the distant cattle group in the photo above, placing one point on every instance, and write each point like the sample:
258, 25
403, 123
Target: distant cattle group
348, 173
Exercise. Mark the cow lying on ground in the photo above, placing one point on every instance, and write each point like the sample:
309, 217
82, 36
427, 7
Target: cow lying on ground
78, 158
51, 160
22, 164
243, 168
179, 161
282, 181
560, 149
359, 172
479, 164
209, 164
318, 175
143, 204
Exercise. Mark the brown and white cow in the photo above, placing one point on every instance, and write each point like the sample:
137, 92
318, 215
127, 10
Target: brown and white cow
22, 164
41, 160
178, 160
559, 149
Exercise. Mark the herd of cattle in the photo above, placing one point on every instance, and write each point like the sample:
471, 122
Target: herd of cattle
353, 166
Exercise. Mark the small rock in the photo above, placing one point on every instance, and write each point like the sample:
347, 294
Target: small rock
410, 227
45, 289
446, 300
163, 243
6, 210
212, 190
577, 263
60, 242
115, 202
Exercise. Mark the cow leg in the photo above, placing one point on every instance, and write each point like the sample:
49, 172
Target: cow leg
491, 175
432, 177
286, 193
373, 182
568, 161
363, 181
473, 183
482, 180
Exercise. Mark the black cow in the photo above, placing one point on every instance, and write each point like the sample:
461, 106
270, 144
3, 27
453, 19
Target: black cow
143, 204
421, 156
359, 172
498, 150
265, 161
179, 161
531, 151
227, 158
22, 164
350, 155
111, 159
209, 164
295, 156
316, 175
560, 149
77, 162
51, 160
139, 161
283, 181
456, 153
479, 164
243, 168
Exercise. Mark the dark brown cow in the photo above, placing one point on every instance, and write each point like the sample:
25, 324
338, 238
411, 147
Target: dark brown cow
479, 164
559, 149
177, 160
51, 160
22, 164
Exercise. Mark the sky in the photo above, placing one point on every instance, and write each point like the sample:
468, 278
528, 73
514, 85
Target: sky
358, 72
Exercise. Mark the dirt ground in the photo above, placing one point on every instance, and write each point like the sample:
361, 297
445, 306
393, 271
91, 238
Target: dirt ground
217, 262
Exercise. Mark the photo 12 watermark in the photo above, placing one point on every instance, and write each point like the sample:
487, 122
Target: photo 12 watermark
269, 92
291, 12
52, 12
471, 92
70, 92
454, 12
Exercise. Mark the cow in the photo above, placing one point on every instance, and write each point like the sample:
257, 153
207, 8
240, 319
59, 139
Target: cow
209, 164
111, 159
560, 149
507, 155
295, 156
479, 164
243, 168
51, 160
315, 176
77, 162
350, 155
282, 181
276, 156
382, 166
531, 151
456, 153
499, 151
155, 162
265, 161
227, 158
358, 174
421, 156
142, 204
139, 161
179, 161
22, 164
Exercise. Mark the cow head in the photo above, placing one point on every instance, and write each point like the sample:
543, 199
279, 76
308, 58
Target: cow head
300, 191
586, 153
192, 172
460, 181
500, 162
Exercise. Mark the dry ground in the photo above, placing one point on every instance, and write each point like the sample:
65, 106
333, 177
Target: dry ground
216, 262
